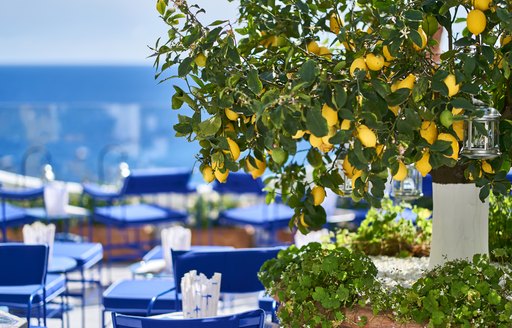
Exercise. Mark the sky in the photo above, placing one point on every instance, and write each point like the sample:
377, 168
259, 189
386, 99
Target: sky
105, 32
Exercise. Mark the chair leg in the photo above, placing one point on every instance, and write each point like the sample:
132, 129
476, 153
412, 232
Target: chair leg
82, 295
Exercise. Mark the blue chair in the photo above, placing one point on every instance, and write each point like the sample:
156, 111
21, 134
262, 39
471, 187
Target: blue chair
24, 282
122, 215
267, 218
250, 319
239, 268
14, 216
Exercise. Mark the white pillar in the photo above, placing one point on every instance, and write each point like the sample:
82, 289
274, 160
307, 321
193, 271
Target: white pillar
460, 226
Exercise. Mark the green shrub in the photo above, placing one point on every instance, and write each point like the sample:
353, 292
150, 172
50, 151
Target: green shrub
500, 228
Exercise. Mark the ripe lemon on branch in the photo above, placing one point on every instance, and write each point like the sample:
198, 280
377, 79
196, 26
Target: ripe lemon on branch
366, 136
476, 21
318, 194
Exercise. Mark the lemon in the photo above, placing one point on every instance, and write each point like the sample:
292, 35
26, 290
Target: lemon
318, 193
476, 21
315, 141
423, 164
458, 128
325, 52
374, 62
324, 148
348, 169
207, 173
394, 109
457, 111
325, 139
451, 84
455, 144
234, 149
387, 54
278, 41
200, 60
330, 115
505, 39
366, 136
335, 23
401, 174
423, 36
230, 114
221, 176
303, 221
299, 134
487, 168
313, 47
358, 64
345, 125
257, 171
428, 131
407, 83
380, 150
446, 118
482, 5
357, 174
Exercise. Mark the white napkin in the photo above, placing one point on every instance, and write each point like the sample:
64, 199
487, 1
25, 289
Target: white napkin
313, 236
39, 233
177, 238
200, 295
56, 199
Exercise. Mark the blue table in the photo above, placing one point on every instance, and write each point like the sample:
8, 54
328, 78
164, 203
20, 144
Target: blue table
63, 265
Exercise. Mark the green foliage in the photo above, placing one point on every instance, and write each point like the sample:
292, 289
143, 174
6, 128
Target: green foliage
330, 280
500, 228
381, 233
460, 294
277, 86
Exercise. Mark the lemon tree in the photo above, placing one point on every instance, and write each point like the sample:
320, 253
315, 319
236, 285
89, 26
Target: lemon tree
291, 84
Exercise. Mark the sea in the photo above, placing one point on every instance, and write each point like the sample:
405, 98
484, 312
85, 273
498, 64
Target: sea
85, 121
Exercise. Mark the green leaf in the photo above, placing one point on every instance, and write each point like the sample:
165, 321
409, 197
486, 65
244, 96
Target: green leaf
316, 123
398, 97
210, 126
218, 22
177, 101
381, 88
462, 103
185, 66
253, 81
414, 15
339, 96
309, 71
160, 6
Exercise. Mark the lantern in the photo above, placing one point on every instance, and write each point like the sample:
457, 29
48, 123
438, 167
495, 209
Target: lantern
409, 188
481, 139
346, 186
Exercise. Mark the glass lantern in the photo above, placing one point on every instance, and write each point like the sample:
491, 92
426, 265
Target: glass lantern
346, 186
409, 189
481, 139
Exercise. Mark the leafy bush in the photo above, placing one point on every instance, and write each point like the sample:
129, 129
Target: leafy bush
316, 284
460, 293
500, 228
381, 233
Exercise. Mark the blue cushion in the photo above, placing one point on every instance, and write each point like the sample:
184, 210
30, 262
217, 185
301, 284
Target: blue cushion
139, 214
156, 252
85, 254
133, 296
55, 285
14, 215
261, 215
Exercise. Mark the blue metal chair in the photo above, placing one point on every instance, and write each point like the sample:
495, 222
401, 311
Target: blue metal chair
239, 268
121, 215
250, 319
24, 282
267, 218
14, 216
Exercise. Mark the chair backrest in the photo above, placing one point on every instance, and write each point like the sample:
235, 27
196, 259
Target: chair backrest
240, 183
239, 267
427, 186
23, 264
154, 181
250, 319
21, 194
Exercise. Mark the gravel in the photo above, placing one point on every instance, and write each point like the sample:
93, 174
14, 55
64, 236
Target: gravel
403, 272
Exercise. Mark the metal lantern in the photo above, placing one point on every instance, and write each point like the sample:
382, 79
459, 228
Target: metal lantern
410, 188
481, 139
346, 186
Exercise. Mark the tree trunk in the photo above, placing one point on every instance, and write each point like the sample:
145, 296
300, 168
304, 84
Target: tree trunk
460, 223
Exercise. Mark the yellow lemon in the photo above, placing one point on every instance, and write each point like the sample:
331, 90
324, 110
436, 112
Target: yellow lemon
476, 21
229, 127
318, 194
407, 83
455, 144
348, 168
357, 174
313, 47
401, 174
335, 23
221, 176
374, 62
324, 148
299, 134
423, 164
379, 150
358, 64
423, 36
366, 136
505, 39
330, 115
487, 168
303, 221
451, 84
458, 128
345, 125
200, 60
207, 173
457, 111
230, 114
315, 141
325, 52
234, 149
257, 171
394, 109
428, 131
387, 54
482, 5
